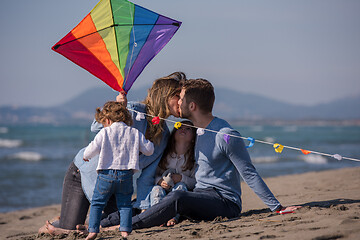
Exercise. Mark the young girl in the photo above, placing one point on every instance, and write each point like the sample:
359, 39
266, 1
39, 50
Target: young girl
118, 146
176, 169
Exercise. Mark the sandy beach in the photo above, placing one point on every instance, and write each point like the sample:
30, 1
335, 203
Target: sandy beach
330, 203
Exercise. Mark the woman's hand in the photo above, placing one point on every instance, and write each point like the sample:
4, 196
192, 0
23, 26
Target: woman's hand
121, 98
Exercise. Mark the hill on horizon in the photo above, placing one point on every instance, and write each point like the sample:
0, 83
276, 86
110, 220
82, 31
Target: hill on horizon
229, 104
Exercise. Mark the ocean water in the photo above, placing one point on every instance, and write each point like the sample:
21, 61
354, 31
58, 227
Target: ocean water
34, 159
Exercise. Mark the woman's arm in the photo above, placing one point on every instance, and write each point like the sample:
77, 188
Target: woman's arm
96, 126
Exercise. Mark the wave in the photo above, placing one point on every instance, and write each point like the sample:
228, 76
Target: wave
27, 156
256, 128
269, 139
290, 129
265, 159
10, 143
4, 130
314, 159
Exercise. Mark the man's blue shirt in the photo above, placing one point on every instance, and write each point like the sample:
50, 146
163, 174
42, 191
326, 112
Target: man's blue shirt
222, 163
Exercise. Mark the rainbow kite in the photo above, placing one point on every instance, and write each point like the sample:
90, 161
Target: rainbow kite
116, 40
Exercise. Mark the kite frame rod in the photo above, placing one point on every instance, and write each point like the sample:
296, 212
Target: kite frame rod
115, 25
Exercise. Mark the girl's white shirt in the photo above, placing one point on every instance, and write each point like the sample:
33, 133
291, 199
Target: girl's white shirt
177, 162
118, 147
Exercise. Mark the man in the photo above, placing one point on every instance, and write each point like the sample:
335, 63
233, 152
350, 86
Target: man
222, 159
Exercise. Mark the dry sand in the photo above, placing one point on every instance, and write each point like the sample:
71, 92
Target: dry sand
331, 210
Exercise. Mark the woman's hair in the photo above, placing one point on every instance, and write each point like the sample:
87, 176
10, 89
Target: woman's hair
170, 149
157, 102
113, 111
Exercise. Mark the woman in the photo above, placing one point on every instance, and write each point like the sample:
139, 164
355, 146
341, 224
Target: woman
161, 101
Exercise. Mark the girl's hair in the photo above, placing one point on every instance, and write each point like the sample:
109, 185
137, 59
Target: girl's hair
171, 151
157, 102
113, 111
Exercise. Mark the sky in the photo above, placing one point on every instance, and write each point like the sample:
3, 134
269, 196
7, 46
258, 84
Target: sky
299, 52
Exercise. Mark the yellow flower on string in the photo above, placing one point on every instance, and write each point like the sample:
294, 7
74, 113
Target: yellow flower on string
278, 147
177, 125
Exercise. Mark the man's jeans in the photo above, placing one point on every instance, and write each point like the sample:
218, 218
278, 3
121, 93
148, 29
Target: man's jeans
120, 183
202, 204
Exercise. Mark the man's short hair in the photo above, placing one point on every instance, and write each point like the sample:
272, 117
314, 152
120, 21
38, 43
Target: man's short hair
201, 92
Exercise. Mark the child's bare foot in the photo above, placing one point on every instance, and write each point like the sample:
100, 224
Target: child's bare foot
171, 222
124, 234
82, 228
91, 236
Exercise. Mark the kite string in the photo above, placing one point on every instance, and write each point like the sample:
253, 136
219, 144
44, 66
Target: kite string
245, 138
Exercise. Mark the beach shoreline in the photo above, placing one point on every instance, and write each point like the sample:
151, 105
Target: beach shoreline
330, 203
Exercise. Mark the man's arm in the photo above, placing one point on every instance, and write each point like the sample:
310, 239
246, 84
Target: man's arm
237, 153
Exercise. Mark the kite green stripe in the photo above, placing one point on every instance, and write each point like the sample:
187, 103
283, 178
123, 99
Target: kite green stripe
102, 18
123, 14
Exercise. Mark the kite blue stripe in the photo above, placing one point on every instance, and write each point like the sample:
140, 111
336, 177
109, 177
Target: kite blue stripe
141, 33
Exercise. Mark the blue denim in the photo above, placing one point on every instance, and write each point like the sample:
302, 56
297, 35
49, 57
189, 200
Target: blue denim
120, 183
202, 204
158, 193
148, 164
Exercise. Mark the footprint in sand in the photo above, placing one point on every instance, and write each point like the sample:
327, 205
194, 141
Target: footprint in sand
24, 217
328, 237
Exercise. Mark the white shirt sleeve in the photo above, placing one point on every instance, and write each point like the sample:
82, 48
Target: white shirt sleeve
94, 146
146, 146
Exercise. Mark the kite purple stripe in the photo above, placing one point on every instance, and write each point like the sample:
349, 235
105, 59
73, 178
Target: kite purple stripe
158, 38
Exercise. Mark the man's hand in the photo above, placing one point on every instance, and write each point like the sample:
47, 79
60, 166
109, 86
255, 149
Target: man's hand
289, 209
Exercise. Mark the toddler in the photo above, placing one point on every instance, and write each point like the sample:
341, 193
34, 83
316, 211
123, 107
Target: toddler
118, 146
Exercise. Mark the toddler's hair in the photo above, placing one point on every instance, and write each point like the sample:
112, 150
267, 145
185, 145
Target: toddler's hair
115, 112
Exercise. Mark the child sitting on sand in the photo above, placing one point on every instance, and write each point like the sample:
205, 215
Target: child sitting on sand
176, 169
118, 146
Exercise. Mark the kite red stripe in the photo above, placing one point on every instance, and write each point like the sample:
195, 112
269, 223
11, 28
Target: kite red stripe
81, 56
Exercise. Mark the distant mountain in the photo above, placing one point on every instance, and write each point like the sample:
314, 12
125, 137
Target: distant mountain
78, 110
229, 104
235, 105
